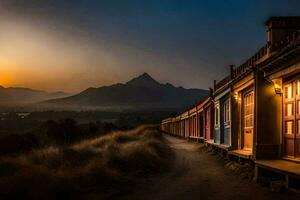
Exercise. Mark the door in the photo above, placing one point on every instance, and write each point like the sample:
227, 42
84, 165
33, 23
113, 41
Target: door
248, 120
291, 119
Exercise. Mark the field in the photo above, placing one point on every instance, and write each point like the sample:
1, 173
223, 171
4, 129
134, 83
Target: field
100, 168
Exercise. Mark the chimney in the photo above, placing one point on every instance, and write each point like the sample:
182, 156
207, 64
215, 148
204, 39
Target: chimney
231, 71
278, 28
211, 92
215, 85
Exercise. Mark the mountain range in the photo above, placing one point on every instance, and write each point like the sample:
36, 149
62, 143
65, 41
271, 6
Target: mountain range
142, 92
20, 95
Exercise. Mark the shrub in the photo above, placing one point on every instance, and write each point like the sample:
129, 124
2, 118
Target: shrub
109, 163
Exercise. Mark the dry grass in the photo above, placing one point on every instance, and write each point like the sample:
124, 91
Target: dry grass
96, 168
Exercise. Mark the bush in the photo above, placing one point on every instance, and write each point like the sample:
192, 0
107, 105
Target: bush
95, 166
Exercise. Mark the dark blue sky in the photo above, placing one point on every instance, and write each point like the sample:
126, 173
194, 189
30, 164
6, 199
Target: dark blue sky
185, 42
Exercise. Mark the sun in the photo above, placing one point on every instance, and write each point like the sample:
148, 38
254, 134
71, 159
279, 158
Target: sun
6, 72
6, 79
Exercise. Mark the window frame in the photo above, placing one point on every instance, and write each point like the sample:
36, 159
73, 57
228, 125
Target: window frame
217, 115
248, 110
227, 111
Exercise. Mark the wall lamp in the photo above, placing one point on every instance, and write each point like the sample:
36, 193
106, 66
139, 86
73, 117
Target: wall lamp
277, 85
237, 97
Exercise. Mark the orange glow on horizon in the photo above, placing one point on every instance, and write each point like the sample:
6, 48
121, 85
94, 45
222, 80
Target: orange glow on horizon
6, 80
7, 69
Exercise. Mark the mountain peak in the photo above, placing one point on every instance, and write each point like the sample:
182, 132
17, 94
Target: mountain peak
144, 80
145, 75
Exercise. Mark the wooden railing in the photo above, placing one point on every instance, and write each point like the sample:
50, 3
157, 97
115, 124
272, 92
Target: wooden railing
250, 62
236, 72
293, 38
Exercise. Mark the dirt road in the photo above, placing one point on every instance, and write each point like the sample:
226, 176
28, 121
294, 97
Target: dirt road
197, 174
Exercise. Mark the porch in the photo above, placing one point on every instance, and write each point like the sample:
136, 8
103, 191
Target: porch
220, 148
289, 171
241, 154
196, 138
209, 142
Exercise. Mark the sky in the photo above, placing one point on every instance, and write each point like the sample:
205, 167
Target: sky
75, 44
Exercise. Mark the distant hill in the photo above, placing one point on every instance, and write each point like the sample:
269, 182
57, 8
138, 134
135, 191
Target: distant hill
20, 95
142, 92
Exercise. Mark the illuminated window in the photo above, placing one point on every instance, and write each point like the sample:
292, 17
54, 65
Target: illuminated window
289, 127
289, 109
248, 110
289, 91
291, 95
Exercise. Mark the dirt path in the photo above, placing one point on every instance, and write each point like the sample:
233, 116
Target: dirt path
198, 175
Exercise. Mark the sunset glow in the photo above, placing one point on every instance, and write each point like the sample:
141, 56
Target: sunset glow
6, 80
44, 47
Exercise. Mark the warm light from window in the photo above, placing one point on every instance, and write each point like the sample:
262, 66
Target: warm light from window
289, 127
248, 110
289, 109
288, 91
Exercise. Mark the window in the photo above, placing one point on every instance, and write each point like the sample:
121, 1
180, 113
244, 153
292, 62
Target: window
248, 110
227, 111
217, 113
289, 91
291, 103
289, 109
289, 127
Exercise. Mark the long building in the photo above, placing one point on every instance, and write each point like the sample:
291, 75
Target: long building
195, 123
254, 112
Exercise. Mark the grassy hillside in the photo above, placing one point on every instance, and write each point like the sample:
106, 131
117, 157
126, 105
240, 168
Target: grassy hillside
100, 168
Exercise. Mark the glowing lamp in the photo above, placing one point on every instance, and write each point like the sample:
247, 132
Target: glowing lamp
236, 96
277, 85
